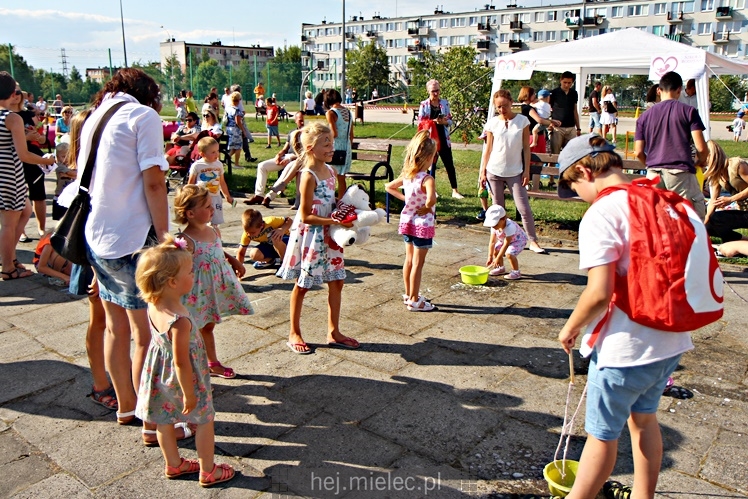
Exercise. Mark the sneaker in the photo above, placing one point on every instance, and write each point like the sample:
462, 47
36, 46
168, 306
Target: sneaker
262, 265
457, 195
481, 215
513, 275
497, 271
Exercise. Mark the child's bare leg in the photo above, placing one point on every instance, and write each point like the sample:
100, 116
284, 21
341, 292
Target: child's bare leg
513, 262
210, 343
646, 445
167, 440
280, 248
534, 136
419, 258
256, 256
297, 300
334, 298
205, 446
95, 343
595, 466
407, 266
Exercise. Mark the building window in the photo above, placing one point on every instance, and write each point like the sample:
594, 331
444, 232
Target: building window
472, 39
525, 36
504, 38
658, 30
705, 29
474, 21
444, 41
458, 22
660, 8
550, 36
640, 10
537, 36
564, 36
707, 5
506, 19
526, 17
540, 17
400, 43
457, 40
552, 15
444, 23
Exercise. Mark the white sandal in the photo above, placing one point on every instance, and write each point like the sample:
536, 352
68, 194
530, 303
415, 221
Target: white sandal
421, 305
406, 299
123, 415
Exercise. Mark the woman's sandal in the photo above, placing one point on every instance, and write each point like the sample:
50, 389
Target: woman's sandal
193, 466
616, 490
18, 264
227, 373
406, 299
421, 305
210, 479
127, 418
105, 398
188, 433
16, 273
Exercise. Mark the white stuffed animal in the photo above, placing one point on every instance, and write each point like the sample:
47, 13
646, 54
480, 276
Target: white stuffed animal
365, 218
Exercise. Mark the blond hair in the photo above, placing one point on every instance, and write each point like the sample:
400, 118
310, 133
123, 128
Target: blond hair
62, 151
236, 97
76, 125
206, 142
251, 219
419, 154
310, 134
157, 265
188, 197
715, 170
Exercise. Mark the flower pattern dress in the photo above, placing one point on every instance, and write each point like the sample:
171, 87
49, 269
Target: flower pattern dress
312, 257
216, 292
411, 223
160, 397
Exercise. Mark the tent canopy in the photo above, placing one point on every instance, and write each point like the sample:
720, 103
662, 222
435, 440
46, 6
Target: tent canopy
627, 51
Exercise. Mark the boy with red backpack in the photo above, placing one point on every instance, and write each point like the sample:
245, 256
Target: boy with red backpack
652, 278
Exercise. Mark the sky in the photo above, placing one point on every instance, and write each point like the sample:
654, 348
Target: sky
86, 29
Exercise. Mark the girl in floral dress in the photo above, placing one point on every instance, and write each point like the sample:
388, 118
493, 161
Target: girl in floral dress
175, 383
312, 257
216, 291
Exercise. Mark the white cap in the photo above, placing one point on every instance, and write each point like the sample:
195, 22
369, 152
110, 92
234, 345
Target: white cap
493, 215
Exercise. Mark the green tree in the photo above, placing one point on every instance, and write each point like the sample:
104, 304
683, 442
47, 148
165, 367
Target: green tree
367, 68
720, 89
24, 74
465, 83
210, 74
74, 88
285, 74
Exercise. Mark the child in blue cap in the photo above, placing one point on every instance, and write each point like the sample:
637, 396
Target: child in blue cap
543, 108
737, 126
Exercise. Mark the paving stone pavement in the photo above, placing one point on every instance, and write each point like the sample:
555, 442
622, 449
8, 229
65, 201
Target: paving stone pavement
464, 402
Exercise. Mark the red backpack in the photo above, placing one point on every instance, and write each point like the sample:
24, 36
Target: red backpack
674, 282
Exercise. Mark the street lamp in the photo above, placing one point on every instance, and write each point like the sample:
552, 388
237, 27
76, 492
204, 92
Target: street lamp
171, 61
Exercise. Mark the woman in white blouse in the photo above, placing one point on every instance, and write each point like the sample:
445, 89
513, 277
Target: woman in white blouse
608, 119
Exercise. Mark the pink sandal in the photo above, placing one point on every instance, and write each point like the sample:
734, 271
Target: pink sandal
210, 479
227, 373
193, 466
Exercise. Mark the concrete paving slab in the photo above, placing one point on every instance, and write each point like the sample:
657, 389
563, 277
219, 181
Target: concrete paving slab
21, 378
21, 465
65, 314
726, 463
15, 344
58, 485
31, 299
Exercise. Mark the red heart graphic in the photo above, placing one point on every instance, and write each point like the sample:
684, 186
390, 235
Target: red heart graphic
506, 65
662, 66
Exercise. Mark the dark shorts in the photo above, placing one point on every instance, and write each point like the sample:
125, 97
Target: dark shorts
35, 180
267, 249
419, 242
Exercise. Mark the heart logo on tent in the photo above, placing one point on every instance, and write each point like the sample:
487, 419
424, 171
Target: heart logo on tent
662, 66
506, 65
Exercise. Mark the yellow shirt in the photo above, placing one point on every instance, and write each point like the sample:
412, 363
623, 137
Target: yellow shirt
271, 223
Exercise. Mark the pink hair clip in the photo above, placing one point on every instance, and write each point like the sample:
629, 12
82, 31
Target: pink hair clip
180, 243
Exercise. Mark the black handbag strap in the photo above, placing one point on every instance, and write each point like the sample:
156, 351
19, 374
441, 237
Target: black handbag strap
88, 170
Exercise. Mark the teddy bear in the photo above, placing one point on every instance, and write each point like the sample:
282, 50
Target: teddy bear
361, 216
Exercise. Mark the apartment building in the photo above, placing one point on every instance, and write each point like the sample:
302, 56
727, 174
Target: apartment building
714, 25
226, 55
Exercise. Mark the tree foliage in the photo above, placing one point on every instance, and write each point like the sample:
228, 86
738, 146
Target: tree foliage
719, 95
465, 83
367, 68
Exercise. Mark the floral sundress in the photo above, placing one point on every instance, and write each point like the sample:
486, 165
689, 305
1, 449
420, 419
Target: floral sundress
160, 397
216, 291
312, 257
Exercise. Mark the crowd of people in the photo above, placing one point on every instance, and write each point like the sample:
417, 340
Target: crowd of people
167, 292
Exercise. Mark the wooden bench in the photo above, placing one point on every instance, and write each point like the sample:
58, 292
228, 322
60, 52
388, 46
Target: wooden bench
223, 150
260, 112
545, 164
379, 154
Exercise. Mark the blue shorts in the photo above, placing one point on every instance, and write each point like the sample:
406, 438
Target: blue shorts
81, 277
117, 280
267, 249
594, 120
613, 393
272, 130
419, 242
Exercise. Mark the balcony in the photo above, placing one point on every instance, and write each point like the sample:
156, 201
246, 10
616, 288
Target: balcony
413, 31
724, 13
675, 17
484, 28
415, 48
350, 36
515, 45
721, 37
304, 39
676, 37
592, 21
573, 22
483, 44
424, 31
371, 34
516, 26
305, 53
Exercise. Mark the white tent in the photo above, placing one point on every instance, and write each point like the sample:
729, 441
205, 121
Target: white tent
628, 51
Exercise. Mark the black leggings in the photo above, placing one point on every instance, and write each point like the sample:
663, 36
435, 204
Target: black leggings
445, 152
722, 224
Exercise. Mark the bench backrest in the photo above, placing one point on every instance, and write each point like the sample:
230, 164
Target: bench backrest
376, 152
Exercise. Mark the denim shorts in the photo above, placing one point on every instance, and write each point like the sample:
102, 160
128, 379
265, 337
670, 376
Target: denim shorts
419, 242
594, 120
613, 393
272, 130
81, 277
116, 279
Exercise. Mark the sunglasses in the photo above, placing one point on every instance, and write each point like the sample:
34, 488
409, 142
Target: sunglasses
206, 115
68, 112
19, 92
189, 120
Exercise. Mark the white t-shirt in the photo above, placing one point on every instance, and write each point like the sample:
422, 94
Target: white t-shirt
506, 154
226, 100
543, 109
41, 105
132, 142
309, 104
737, 125
208, 175
603, 239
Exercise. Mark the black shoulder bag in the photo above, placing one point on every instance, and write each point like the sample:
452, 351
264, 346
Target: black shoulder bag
69, 238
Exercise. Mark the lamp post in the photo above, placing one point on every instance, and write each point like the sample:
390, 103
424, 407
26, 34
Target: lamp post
122, 20
171, 61
342, 77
